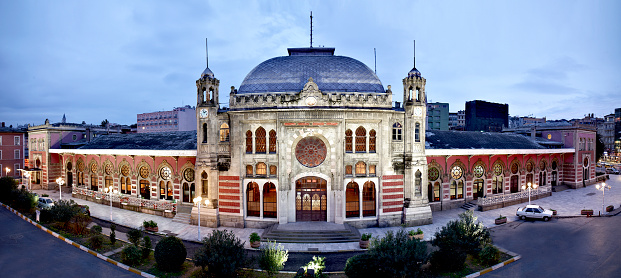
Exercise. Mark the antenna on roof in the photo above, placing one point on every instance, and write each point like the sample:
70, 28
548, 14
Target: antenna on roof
414, 53
207, 51
311, 34
375, 58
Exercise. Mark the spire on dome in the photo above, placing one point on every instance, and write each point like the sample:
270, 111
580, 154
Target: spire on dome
207, 72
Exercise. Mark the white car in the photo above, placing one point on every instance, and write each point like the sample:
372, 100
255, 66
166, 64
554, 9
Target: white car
45, 203
534, 211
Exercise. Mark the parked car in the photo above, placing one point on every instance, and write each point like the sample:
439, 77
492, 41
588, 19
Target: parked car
45, 203
612, 170
534, 211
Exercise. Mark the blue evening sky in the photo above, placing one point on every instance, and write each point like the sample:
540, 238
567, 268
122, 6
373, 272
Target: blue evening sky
95, 60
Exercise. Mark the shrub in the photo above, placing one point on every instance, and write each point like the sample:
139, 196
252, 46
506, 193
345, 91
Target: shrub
170, 254
272, 258
447, 261
399, 255
134, 236
318, 264
222, 253
45, 195
489, 255
96, 241
79, 222
96, 229
149, 224
146, 247
463, 235
254, 237
7, 185
417, 232
22, 200
361, 266
64, 210
131, 255
112, 233
365, 237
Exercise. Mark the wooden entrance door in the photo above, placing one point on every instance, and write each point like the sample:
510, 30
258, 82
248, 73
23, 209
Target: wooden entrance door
311, 199
478, 189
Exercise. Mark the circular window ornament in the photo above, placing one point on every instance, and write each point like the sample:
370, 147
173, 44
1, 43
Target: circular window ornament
456, 172
542, 165
189, 174
144, 172
434, 174
549, 136
108, 169
529, 166
554, 165
94, 168
80, 165
310, 152
165, 173
125, 170
586, 162
514, 168
498, 169
478, 171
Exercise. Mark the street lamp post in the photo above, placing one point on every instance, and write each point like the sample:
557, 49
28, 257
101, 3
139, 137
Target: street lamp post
603, 188
197, 201
110, 189
60, 183
529, 186
7, 171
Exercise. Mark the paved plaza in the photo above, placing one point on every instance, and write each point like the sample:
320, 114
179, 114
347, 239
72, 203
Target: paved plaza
568, 203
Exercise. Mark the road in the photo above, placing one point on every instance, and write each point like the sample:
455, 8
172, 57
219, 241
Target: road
27, 251
567, 247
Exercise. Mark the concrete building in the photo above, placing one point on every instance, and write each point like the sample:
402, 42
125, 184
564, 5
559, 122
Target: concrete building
12, 150
437, 116
457, 121
178, 119
515, 121
606, 130
452, 120
486, 116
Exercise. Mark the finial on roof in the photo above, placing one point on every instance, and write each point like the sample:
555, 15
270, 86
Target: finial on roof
207, 51
311, 33
414, 53
64, 120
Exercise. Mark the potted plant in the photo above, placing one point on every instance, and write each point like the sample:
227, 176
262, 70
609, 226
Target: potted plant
255, 240
150, 226
553, 211
500, 220
416, 234
610, 208
364, 240
587, 212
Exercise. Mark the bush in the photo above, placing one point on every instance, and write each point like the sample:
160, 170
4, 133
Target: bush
222, 253
489, 255
447, 261
361, 266
96, 241
272, 258
22, 200
365, 237
64, 210
255, 237
170, 254
112, 237
318, 264
399, 255
146, 247
7, 185
149, 224
96, 229
463, 235
134, 236
131, 255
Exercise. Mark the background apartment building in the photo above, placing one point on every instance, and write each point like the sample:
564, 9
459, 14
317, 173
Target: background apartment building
178, 119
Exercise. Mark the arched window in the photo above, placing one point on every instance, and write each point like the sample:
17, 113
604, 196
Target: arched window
248, 141
361, 169
436, 191
204, 133
272, 141
162, 190
397, 131
273, 170
368, 199
108, 182
211, 94
542, 178
410, 93
348, 170
94, 182
417, 132
457, 184
253, 199
269, 200
261, 169
361, 140
204, 186
249, 171
352, 203
260, 140
348, 140
145, 191
372, 141
224, 132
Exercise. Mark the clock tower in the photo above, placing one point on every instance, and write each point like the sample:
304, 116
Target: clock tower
417, 211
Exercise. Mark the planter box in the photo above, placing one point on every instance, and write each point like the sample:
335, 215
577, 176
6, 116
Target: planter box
152, 229
364, 244
587, 212
500, 221
419, 236
255, 244
610, 208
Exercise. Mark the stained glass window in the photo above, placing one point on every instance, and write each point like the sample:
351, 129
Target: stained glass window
542, 165
261, 169
310, 151
248, 141
498, 169
348, 140
372, 141
108, 169
478, 171
125, 170
144, 172
272, 141
253, 199
352, 207
514, 168
361, 169
361, 140
456, 172
434, 174
260, 140
529, 166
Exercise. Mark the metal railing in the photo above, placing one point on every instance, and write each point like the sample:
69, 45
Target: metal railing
128, 200
501, 198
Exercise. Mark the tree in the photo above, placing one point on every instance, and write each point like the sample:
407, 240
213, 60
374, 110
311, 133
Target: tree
170, 254
104, 123
222, 253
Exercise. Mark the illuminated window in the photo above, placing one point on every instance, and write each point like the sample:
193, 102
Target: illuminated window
269, 200
272, 141
361, 169
372, 141
260, 140
261, 169
248, 141
253, 199
348, 140
273, 170
352, 203
348, 170
361, 140
94, 183
372, 170
249, 171
224, 132
145, 190
368, 199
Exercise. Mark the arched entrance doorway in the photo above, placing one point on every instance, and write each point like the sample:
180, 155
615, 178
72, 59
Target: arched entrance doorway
311, 199
69, 175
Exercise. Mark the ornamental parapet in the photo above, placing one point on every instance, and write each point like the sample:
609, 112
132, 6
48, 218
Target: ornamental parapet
502, 200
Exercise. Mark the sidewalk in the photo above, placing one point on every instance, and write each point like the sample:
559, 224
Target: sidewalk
567, 203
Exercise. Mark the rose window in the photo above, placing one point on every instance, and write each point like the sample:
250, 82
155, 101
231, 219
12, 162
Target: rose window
189, 174
108, 169
498, 169
456, 172
478, 171
433, 174
165, 173
310, 151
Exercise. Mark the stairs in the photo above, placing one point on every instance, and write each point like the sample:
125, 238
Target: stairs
311, 232
183, 214
470, 206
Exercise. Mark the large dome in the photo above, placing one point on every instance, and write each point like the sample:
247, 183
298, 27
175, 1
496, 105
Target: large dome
331, 73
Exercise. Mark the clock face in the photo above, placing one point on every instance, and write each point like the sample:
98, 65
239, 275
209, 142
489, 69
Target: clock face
418, 111
204, 113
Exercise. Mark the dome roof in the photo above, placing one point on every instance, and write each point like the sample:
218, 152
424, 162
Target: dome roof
207, 72
414, 72
331, 73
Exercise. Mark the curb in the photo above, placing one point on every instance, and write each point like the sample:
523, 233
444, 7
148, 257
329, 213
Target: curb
83, 248
497, 266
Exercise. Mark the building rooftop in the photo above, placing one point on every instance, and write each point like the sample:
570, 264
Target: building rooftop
478, 140
178, 140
